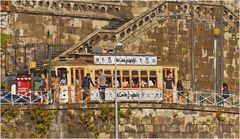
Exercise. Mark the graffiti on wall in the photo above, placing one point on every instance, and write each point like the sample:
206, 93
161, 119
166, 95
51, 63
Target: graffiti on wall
129, 95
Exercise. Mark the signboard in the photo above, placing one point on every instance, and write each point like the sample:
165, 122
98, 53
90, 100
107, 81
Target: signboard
126, 60
63, 94
129, 95
24, 86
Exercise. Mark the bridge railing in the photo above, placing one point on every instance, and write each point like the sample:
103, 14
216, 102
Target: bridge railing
124, 95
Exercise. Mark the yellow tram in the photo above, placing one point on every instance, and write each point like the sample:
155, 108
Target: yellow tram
140, 72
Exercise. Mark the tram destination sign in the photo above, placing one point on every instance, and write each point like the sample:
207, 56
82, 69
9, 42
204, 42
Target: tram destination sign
129, 60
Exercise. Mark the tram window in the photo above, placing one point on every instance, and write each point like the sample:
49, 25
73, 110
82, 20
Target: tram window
152, 79
144, 79
173, 75
118, 79
125, 79
96, 77
135, 79
62, 74
72, 78
108, 77
77, 77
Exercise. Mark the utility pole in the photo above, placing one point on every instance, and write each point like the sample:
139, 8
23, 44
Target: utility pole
221, 44
49, 60
193, 46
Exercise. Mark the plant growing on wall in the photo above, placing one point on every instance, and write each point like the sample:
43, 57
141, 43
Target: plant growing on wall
42, 119
9, 112
219, 116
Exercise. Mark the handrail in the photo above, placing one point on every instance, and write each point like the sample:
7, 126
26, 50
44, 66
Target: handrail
139, 95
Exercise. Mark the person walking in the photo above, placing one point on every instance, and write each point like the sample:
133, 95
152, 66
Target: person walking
168, 88
86, 86
102, 84
225, 92
180, 91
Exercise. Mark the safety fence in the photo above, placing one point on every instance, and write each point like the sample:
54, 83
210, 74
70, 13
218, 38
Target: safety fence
69, 96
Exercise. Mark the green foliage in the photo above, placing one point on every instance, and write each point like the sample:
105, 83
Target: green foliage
72, 114
9, 112
42, 119
70, 128
125, 114
5, 39
86, 121
219, 116
105, 113
4, 85
4, 131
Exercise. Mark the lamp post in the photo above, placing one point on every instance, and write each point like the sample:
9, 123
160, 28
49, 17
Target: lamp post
216, 33
118, 45
49, 59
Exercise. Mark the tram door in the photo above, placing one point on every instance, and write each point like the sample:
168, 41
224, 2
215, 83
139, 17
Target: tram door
78, 83
173, 74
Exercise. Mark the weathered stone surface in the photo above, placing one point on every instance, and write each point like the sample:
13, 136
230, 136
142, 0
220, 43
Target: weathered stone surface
146, 120
178, 121
161, 120
148, 128
136, 120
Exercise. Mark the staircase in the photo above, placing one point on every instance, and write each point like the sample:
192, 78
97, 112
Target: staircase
122, 30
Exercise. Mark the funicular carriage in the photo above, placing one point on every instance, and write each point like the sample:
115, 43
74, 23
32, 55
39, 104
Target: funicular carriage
144, 76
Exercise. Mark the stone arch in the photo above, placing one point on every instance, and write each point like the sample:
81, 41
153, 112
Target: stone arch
68, 7
185, 8
146, 19
103, 9
40, 3
61, 5
105, 37
54, 5
97, 38
33, 3
122, 34
153, 15
117, 9
113, 38
95, 8
109, 9
75, 7
134, 27
89, 7
18, 2
230, 17
128, 30
82, 7
140, 23
46, 4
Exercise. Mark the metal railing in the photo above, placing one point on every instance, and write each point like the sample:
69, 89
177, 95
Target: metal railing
139, 95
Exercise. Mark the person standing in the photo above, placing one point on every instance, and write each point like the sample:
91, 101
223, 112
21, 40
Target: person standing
86, 86
225, 92
55, 89
102, 84
168, 88
42, 87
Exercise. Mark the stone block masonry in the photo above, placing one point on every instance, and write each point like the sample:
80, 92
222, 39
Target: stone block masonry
136, 120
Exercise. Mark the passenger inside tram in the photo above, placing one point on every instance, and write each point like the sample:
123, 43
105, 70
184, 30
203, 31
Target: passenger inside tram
63, 80
125, 83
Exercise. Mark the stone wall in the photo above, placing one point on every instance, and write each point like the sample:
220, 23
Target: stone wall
137, 120
169, 39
